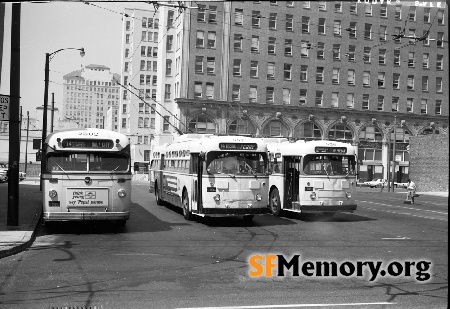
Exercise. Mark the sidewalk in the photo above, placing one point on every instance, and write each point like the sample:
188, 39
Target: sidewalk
14, 239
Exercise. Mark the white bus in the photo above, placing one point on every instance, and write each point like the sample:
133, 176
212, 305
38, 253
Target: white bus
87, 176
312, 177
212, 176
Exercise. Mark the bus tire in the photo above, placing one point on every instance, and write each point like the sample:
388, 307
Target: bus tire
274, 202
158, 198
187, 214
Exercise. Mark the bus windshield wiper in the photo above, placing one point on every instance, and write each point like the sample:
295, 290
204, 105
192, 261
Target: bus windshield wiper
61, 169
250, 169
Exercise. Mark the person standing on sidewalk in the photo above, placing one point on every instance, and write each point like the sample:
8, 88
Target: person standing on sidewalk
383, 183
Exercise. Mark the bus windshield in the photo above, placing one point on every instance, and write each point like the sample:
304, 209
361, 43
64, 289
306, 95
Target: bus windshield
329, 165
236, 163
78, 162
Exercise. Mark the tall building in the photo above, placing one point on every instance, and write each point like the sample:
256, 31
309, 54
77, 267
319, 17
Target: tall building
139, 75
347, 71
88, 94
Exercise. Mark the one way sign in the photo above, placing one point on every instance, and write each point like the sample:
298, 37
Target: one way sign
4, 107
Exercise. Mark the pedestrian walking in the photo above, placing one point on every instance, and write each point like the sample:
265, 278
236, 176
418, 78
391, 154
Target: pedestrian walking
383, 183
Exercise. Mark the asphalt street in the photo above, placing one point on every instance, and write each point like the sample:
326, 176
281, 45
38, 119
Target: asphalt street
159, 260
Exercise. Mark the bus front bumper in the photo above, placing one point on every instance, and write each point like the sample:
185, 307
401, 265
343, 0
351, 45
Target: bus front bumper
85, 216
322, 208
235, 211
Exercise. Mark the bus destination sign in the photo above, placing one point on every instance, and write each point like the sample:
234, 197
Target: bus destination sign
238, 146
331, 150
87, 143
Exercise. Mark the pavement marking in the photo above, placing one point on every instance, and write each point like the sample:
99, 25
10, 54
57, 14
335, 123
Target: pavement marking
291, 306
403, 213
136, 254
396, 238
409, 208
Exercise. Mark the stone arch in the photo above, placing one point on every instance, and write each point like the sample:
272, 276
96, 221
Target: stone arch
350, 125
370, 124
284, 121
207, 116
308, 120
249, 118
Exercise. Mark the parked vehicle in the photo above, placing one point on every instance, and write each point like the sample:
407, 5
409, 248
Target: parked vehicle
375, 183
4, 173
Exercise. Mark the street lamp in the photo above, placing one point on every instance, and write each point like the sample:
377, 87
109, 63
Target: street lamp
44, 116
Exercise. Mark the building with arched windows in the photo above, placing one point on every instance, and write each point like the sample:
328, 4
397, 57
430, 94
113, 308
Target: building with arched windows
334, 70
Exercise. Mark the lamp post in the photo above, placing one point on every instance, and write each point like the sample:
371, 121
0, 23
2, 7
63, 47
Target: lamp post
393, 152
44, 116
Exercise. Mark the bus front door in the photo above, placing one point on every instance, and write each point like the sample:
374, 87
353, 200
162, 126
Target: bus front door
160, 176
291, 168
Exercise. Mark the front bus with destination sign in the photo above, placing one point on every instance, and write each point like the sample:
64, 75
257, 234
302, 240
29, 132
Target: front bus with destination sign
331, 150
87, 143
238, 146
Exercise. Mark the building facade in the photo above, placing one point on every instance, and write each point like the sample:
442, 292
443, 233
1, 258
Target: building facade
139, 80
333, 70
88, 94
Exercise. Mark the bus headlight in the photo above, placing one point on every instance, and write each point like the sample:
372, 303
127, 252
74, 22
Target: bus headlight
217, 197
313, 195
52, 193
121, 193
348, 194
258, 197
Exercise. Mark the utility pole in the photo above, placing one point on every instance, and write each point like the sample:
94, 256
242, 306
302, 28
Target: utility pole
26, 144
393, 152
53, 109
2, 22
14, 124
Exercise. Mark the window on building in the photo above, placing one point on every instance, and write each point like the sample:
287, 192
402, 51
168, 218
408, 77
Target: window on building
288, 47
320, 75
238, 42
322, 5
412, 34
166, 123
271, 70
256, 19
304, 73
304, 49
368, 31
365, 101
396, 81
202, 124
253, 94
380, 106
271, 46
383, 33
241, 126
287, 71
198, 64
286, 96
169, 43
367, 54
303, 97
340, 132
167, 91
306, 4
148, 79
200, 42
438, 107
201, 13
440, 17
270, 95
426, 61
381, 80
409, 105
440, 39
211, 65
212, 14
396, 57
143, 49
351, 77
366, 79
395, 101
144, 22
209, 91
337, 28
155, 52
338, 6
255, 44
308, 131
412, 13
319, 98
237, 67
211, 39
350, 100
124, 123
424, 83
321, 26
289, 22
198, 89
351, 53
142, 79
336, 51
439, 84
423, 106
305, 24
253, 68
168, 67
236, 93
383, 10
320, 50
273, 21
381, 56
238, 17
352, 30
410, 82
335, 76
335, 99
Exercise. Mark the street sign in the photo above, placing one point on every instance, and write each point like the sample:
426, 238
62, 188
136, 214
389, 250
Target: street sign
398, 158
4, 107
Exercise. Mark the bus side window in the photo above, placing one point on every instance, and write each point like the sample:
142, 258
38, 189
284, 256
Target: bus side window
194, 163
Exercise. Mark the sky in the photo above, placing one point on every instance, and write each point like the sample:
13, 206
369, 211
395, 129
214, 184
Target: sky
48, 27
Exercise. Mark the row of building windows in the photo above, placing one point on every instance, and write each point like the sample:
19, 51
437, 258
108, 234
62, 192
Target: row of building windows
147, 22
145, 122
89, 82
256, 16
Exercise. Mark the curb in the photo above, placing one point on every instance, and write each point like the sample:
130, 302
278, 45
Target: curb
30, 234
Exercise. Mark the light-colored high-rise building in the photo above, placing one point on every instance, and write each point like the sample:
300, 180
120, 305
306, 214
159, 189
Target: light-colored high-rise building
88, 94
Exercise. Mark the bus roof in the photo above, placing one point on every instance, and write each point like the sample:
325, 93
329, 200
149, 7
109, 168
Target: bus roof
207, 143
77, 136
302, 147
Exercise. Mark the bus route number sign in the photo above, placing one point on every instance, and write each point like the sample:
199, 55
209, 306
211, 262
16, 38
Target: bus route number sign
331, 150
238, 146
85, 143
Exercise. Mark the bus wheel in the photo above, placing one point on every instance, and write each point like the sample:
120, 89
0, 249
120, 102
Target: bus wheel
187, 214
158, 198
274, 202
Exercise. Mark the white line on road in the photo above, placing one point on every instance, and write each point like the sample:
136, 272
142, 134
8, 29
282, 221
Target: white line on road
292, 306
409, 208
